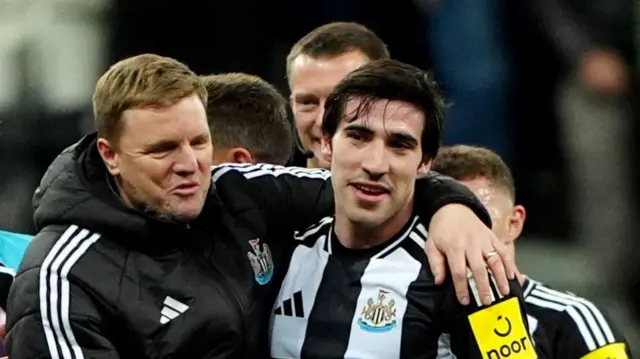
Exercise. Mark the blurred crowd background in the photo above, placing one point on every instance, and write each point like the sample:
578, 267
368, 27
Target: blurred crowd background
551, 85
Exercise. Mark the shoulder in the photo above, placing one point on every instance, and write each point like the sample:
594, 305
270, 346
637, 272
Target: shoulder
250, 171
310, 235
570, 314
63, 247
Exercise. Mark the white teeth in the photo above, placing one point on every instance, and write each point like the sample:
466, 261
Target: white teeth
369, 189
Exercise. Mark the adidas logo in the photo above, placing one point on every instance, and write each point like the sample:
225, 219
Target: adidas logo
171, 310
291, 307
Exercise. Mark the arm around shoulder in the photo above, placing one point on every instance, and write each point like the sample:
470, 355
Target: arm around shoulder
290, 196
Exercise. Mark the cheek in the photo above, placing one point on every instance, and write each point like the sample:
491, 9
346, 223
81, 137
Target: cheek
205, 159
153, 171
304, 121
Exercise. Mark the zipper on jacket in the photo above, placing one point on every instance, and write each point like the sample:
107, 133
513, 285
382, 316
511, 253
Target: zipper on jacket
232, 293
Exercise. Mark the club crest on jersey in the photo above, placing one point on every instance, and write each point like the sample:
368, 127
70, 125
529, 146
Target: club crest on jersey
378, 316
261, 261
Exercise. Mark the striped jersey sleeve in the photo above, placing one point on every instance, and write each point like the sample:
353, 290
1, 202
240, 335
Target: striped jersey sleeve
576, 327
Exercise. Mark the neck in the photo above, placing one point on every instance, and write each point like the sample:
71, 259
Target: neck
358, 235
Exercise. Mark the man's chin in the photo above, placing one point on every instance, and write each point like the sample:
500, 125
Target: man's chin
185, 212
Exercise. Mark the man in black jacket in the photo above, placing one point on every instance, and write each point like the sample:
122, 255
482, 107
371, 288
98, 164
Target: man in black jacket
138, 256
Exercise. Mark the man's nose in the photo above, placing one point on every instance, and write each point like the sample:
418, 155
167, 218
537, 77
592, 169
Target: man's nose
319, 116
187, 161
375, 162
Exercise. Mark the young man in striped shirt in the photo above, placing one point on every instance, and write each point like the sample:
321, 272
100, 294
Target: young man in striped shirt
561, 323
358, 284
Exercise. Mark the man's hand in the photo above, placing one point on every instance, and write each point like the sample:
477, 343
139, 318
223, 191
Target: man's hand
457, 233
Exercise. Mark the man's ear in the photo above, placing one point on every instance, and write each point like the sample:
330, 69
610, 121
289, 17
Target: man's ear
424, 167
516, 222
325, 147
109, 156
241, 155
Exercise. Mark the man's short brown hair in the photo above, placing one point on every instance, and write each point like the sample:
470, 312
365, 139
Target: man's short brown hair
462, 162
337, 38
143, 80
246, 111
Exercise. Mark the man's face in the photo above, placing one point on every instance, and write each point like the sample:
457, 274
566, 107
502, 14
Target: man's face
507, 218
375, 161
311, 81
163, 159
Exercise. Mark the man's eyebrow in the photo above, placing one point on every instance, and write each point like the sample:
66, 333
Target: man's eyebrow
304, 96
160, 145
404, 137
357, 127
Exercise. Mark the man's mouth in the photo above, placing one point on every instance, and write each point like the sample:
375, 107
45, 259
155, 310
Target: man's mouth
371, 189
186, 189
369, 194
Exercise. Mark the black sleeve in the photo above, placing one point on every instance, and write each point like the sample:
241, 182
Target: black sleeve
584, 332
52, 316
295, 197
494, 331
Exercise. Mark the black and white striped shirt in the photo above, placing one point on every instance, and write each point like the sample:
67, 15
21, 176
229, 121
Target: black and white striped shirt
382, 302
570, 327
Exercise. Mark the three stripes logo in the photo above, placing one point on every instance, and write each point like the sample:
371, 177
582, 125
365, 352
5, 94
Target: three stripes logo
171, 310
291, 307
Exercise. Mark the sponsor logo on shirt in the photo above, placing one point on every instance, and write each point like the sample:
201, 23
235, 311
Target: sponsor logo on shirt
611, 351
501, 333
378, 316
261, 261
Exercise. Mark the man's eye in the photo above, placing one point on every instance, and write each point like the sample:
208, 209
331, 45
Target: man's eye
355, 136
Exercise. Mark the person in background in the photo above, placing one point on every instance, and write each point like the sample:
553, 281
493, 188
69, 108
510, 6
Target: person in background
248, 120
315, 65
561, 323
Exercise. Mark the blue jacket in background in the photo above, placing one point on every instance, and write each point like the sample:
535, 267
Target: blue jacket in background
12, 248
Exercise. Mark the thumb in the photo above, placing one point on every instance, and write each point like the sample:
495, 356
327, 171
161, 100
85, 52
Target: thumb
436, 262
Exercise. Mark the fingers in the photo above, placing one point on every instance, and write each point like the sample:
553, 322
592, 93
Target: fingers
505, 257
458, 267
496, 264
436, 262
480, 286
497, 269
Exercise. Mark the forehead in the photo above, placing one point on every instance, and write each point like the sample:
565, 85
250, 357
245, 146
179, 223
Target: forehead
319, 76
384, 116
486, 191
186, 118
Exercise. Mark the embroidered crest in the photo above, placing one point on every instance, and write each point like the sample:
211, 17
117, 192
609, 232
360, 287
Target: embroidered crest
261, 261
378, 316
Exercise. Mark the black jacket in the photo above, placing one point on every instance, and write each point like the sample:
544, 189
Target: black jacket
101, 280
